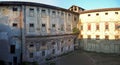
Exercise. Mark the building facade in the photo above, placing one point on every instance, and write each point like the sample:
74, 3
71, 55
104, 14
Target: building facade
33, 31
100, 30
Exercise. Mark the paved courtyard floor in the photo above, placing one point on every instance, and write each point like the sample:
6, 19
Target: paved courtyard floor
88, 58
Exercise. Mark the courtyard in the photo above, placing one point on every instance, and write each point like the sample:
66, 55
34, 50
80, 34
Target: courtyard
80, 57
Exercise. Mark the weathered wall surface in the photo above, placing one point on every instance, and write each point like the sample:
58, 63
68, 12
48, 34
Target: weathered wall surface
105, 46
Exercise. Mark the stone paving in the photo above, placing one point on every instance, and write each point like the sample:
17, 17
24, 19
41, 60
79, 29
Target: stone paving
87, 58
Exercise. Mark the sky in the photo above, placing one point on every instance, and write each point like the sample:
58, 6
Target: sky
86, 4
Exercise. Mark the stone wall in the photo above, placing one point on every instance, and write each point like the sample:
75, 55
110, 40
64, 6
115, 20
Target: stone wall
105, 46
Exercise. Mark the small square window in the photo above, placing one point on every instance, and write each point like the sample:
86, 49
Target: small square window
31, 45
106, 13
14, 25
53, 12
116, 12
53, 25
89, 15
106, 37
97, 14
116, 37
43, 11
15, 9
97, 37
31, 25
43, 25
81, 36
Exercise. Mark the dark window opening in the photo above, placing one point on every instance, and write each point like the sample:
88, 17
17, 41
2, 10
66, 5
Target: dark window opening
31, 45
53, 51
31, 55
14, 25
15, 9
31, 25
43, 25
43, 53
97, 14
12, 49
116, 12
43, 11
53, 25
89, 15
106, 13
15, 60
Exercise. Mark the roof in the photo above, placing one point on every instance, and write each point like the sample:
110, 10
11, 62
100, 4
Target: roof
100, 10
20, 3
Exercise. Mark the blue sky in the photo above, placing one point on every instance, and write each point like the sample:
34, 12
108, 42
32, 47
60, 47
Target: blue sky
87, 4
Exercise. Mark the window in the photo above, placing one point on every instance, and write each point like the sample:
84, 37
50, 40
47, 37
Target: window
61, 49
15, 9
75, 19
31, 45
97, 26
89, 15
62, 41
89, 26
62, 27
53, 51
53, 25
106, 26
43, 11
81, 36
31, 25
106, 13
97, 37
116, 37
43, 25
81, 27
12, 49
62, 13
69, 40
53, 43
14, 25
116, 12
117, 26
31, 12
97, 14
53, 12
31, 55
106, 37
43, 53
89, 36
